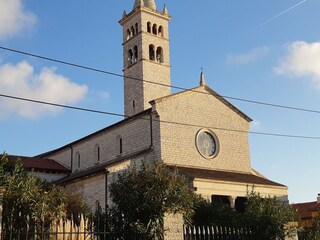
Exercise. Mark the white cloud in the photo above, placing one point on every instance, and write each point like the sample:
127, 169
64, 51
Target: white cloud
13, 18
253, 55
20, 80
302, 59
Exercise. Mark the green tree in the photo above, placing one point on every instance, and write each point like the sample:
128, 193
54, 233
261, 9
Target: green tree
29, 200
215, 214
142, 197
266, 216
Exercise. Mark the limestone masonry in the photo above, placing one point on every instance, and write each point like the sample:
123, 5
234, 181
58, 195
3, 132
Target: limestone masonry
196, 130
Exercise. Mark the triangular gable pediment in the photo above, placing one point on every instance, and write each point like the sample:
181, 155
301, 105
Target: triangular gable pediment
203, 90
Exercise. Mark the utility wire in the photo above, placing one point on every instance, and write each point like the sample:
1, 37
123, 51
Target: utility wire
61, 105
161, 84
161, 121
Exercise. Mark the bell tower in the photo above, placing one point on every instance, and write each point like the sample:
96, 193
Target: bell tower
146, 55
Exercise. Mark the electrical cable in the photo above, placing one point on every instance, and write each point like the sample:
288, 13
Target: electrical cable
161, 121
161, 84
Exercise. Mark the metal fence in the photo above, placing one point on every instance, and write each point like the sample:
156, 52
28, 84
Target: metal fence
96, 228
73, 228
217, 233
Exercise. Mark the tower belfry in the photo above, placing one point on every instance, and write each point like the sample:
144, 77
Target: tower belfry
146, 56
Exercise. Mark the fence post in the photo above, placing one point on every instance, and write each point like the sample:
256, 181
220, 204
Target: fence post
291, 231
173, 227
2, 190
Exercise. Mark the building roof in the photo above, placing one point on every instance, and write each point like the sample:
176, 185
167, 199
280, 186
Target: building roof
305, 210
246, 178
98, 169
40, 164
124, 121
147, 3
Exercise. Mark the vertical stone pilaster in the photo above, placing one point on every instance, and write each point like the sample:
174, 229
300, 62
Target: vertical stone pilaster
291, 231
232, 200
173, 227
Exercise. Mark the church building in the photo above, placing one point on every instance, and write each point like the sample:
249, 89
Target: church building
196, 130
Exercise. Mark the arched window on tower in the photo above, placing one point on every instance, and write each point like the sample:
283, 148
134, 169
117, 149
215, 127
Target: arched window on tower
154, 29
151, 52
160, 31
137, 28
128, 34
132, 31
159, 55
130, 57
135, 54
149, 27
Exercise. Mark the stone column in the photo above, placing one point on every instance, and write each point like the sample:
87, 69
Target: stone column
173, 227
232, 200
1, 202
291, 231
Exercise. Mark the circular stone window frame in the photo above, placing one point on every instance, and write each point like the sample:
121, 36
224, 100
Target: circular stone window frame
214, 136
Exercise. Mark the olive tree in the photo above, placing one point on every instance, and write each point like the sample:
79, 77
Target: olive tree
143, 195
28, 200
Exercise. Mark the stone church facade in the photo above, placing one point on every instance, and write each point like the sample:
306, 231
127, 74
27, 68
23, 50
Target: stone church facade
195, 130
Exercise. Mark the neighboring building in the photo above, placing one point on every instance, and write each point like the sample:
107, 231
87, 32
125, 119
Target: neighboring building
47, 169
196, 130
307, 212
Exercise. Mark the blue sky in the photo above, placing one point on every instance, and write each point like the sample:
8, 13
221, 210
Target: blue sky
266, 51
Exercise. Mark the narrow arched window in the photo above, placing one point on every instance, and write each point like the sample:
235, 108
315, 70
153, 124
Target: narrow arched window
160, 31
97, 152
154, 29
130, 57
132, 31
149, 27
137, 29
159, 55
128, 34
78, 160
133, 106
135, 54
120, 146
151, 52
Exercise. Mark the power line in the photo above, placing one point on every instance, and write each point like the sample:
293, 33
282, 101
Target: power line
161, 121
161, 84
61, 105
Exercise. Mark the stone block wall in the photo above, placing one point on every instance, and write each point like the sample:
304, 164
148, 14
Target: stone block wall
189, 112
91, 189
135, 135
